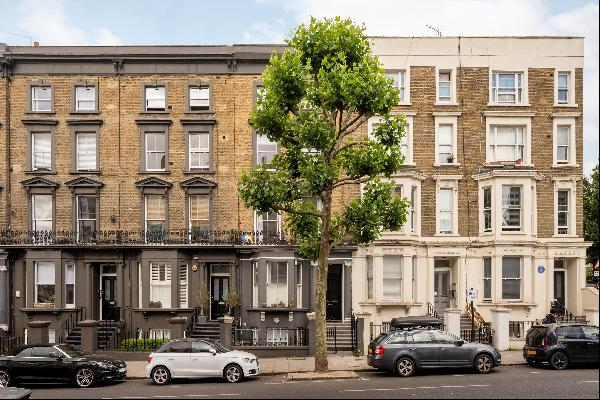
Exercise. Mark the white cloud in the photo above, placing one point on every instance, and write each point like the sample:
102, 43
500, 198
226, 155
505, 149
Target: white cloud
476, 17
264, 32
46, 22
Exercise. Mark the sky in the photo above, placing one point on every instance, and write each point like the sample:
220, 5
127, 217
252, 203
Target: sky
145, 22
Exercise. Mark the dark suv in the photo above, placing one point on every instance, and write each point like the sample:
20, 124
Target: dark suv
403, 351
561, 344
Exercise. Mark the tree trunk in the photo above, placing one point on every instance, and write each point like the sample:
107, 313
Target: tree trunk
321, 364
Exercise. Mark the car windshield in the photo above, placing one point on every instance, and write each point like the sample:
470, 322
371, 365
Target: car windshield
218, 346
73, 351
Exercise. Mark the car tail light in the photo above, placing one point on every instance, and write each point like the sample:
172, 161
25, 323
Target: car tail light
149, 359
379, 351
545, 342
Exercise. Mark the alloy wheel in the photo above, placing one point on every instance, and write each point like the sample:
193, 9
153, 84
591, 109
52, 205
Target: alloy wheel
233, 374
160, 376
559, 360
484, 364
405, 367
4, 378
84, 377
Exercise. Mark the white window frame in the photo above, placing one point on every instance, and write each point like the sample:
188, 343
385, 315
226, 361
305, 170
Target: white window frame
255, 281
398, 72
489, 209
70, 280
298, 272
35, 101
493, 90
398, 279
569, 185
183, 275
274, 300
452, 100
510, 228
257, 152
508, 121
452, 121
258, 224
412, 209
201, 88
414, 277
85, 101
38, 283
520, 279
78, 219
489, 278
199, 150
572, 148
147, 88
571, 95
370, 281
447, 182
34, 218
148, 152
167, 282
206, 198
34, 165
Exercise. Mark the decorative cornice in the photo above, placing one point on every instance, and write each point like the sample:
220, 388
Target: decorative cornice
153, 182
508, 113
39, 121
198, 182
39, 182
150, 121
566, 114
84, 181
516, 172
189, 121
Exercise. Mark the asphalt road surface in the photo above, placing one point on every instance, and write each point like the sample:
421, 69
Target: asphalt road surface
506, 382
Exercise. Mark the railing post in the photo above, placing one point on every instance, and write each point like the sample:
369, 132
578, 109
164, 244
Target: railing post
89, 335
225, 325
452, 321
312, 333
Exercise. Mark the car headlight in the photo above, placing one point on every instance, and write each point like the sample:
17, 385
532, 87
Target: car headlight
103, 364
248, 360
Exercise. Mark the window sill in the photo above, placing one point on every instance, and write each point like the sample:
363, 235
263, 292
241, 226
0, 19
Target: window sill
565, 165
446, 103
143, 172
383, 303
506, 303
508, 105
40, 112
441, 235
486, 233
509, 166
94, 112
154, 112
447, 165
150, 309
200, 172
43, 309
567, 105
277, 309
514, 233
30, 172
404, 104
89, 172
210, 111
568, 236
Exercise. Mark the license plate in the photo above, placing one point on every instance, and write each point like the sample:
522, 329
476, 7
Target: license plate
122, 369
531, 352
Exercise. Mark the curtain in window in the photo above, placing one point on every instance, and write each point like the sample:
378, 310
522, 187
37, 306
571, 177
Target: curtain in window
392, 277
86, 151
444, 143
44, 282
85, 98
42, 212
446, 205
277, 291
511, 278
42, 151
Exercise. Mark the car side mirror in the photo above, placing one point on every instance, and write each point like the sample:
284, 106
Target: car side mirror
213, 352
59, 358
459, 342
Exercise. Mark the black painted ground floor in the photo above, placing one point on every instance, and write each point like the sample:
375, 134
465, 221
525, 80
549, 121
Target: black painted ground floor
137, 290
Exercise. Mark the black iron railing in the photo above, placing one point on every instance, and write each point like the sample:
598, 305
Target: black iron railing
562, 315
119, 237
378, 329
10, 342
277, 337
354, 333
69, 324
431, 311
482, 334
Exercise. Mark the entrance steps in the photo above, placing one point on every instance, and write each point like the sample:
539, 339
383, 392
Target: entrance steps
106, 330
339, 336
206, 330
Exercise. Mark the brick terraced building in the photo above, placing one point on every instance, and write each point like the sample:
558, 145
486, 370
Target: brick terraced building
118, 188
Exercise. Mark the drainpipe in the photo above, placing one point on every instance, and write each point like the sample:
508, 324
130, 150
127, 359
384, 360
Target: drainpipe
7, 74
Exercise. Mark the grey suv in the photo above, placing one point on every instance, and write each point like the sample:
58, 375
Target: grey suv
403, 352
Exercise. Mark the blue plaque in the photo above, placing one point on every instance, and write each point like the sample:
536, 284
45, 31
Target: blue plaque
541, 269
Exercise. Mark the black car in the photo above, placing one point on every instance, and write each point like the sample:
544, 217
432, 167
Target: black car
61, 363
561, 344
405, 351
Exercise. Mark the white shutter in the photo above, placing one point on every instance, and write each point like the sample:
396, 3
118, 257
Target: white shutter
160, 284
183, 286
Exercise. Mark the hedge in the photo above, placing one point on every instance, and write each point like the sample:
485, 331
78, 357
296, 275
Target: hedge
134, 344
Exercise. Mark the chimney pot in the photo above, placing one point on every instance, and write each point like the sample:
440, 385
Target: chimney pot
36, 44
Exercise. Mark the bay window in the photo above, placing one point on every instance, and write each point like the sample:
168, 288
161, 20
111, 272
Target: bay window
392, 277
487, 209
45, 288
511, 278
511, 208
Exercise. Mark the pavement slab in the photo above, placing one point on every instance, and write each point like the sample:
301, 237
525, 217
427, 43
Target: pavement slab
318, 376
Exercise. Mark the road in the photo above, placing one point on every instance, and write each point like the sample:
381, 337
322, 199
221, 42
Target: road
506, 382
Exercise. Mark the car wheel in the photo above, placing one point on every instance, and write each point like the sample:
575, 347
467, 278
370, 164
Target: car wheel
559, 360
484, 364
84, 377
233, 373
5, 379
161, 375
405, 367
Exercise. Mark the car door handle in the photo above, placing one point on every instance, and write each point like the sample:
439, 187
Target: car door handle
170, 359
443, 348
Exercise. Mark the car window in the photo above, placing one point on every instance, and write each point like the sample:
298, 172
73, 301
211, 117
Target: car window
443, 337
397, 339
45, 352
569, 332
201, 347
590, 332
73, 351
179, 347
24, 353
536, 335
422, 337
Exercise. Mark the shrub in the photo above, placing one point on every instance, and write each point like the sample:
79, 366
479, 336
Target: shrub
145, 345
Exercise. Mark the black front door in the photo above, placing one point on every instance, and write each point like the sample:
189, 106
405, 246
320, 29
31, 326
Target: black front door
334, 293
559, 287
109, 298
219, 288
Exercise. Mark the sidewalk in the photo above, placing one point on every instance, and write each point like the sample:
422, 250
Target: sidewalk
284, 365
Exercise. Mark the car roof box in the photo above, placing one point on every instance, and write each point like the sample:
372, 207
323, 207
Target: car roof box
416, 321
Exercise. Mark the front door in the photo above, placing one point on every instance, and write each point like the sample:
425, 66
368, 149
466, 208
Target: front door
108, 297
441, 290
219, 288
559, 287
334, 293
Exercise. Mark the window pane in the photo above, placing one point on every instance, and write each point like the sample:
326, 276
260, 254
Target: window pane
446, 199
392, 277
42, 151
511, 289
511, 267
155, 207
562, 134
563, 80
86, 151
563, 96
86, 207
445, 134
42, 207
444, 91
199, 98
506, 80
85, 98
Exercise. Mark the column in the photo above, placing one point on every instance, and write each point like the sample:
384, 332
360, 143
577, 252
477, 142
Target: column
500, 317
120, 288
4, 293
459, 275
312, 333
497, 280
527, 278
89, 335
430, 281
407, 277
226, 326
452, 321
37, 332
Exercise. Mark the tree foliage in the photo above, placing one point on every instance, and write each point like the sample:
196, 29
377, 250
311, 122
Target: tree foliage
590, 214
315, 97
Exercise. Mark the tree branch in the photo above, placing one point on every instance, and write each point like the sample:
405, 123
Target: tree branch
344, 147
352, 181
300, 212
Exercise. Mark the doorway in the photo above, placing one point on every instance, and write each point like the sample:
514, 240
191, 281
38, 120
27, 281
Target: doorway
333, 310
441, 286
219, 289
560, 277
109, 311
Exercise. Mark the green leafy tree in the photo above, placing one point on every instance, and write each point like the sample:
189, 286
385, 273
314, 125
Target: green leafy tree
315, 97
590, 214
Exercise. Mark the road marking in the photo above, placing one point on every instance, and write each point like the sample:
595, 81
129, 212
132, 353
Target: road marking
427, 387
535, 372
164, 396
587, 382
457, 375
229, 394
273, 383
452, 386
383, 389
353, 390
479, 385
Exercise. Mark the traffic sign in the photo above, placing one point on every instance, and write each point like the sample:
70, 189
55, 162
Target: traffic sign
472, 294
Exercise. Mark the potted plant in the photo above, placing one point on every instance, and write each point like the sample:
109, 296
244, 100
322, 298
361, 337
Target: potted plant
155, 304
232, 300
450, 159
202, 300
